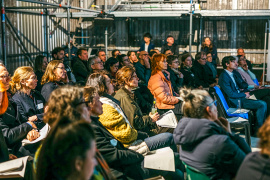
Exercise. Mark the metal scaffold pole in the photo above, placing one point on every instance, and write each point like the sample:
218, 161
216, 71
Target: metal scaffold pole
68, 26
3, 25
106, 32
190, 26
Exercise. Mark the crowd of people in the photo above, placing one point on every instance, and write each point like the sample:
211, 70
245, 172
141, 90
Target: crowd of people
101, 118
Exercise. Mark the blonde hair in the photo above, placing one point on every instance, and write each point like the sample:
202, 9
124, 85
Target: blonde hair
195, 102
264, 135
49, 75
21, 73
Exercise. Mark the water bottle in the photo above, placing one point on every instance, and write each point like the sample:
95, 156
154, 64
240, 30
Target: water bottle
154, 109
239, 106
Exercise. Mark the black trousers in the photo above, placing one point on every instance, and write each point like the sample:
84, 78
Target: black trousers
264, 95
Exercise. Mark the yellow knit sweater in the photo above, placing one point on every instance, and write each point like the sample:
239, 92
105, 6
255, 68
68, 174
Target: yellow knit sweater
117, 126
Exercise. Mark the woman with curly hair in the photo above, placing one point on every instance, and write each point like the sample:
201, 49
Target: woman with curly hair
256, 165
161, 87
54, 76
30, 102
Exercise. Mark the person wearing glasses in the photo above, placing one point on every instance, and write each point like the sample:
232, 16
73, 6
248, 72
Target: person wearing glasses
202, 73
206, 142
96, 65
123, 60
54, 76
30, 103
176, 76
12, 124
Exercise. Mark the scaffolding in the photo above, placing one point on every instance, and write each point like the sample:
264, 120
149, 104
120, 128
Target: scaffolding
120, 9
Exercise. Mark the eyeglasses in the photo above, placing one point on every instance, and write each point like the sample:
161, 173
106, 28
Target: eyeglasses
214, 102
7, 76
176, 62
62, 68
99, 62
203, 59
84, 102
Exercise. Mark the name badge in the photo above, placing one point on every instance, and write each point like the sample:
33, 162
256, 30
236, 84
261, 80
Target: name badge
40, 106
113, 142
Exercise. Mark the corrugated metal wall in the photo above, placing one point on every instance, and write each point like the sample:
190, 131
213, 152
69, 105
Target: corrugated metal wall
126, 33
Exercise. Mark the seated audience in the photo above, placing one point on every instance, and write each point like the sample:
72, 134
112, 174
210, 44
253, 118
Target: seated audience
102, 55
235, 89
168, 52
73, 52
117, 124
161, 87
256, 164
208, 46
246, 74
176, 76
241, 52
115, 53
40, 67
128, 81
206, 142
188, 79
147, 45
80, 67
112, 66
143, 71
68, 151
30, 103
96, 65
14, 127
58, 53
203, 75
170, 45
54, 76
123, 60
210, 65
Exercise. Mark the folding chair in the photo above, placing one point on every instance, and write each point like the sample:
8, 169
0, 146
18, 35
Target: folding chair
223, 111
194, 174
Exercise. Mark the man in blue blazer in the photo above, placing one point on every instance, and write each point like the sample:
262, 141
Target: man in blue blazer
234, 88
147, 45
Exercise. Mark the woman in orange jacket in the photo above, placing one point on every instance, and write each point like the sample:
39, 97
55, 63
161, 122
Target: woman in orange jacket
160, 86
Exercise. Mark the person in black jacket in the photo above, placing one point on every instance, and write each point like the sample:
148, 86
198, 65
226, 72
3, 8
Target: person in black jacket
147, 45
202, 73
256, 165
30, 103
188, 79
143, 72
14, 127
176, 76
81, 67
170, 45
213, 149
54, 76
40, 67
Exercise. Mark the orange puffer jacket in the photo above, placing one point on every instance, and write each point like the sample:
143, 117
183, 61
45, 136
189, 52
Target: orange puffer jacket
161, 88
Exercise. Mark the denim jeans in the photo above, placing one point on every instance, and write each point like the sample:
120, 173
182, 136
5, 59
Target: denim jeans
160, 141
258, 105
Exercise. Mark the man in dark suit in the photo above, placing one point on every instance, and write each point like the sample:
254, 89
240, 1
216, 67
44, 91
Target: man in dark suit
147, 45
170, 45
235, 88
81, 67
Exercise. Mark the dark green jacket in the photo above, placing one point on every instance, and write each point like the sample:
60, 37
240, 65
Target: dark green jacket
133, 112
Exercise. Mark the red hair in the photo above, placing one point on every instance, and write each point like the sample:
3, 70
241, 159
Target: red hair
155, 67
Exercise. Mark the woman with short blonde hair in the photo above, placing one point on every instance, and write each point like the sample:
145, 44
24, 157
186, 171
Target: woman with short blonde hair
30, 102
54, 76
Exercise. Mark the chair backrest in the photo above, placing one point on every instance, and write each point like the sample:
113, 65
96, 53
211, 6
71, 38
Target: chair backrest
222, 98
194, 174
256, 82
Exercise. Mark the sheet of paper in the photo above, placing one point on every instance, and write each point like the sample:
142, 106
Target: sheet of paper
237, 111
237, 119
167, 119
43, 133
161, 159
14, 173
181, 99
252, 97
